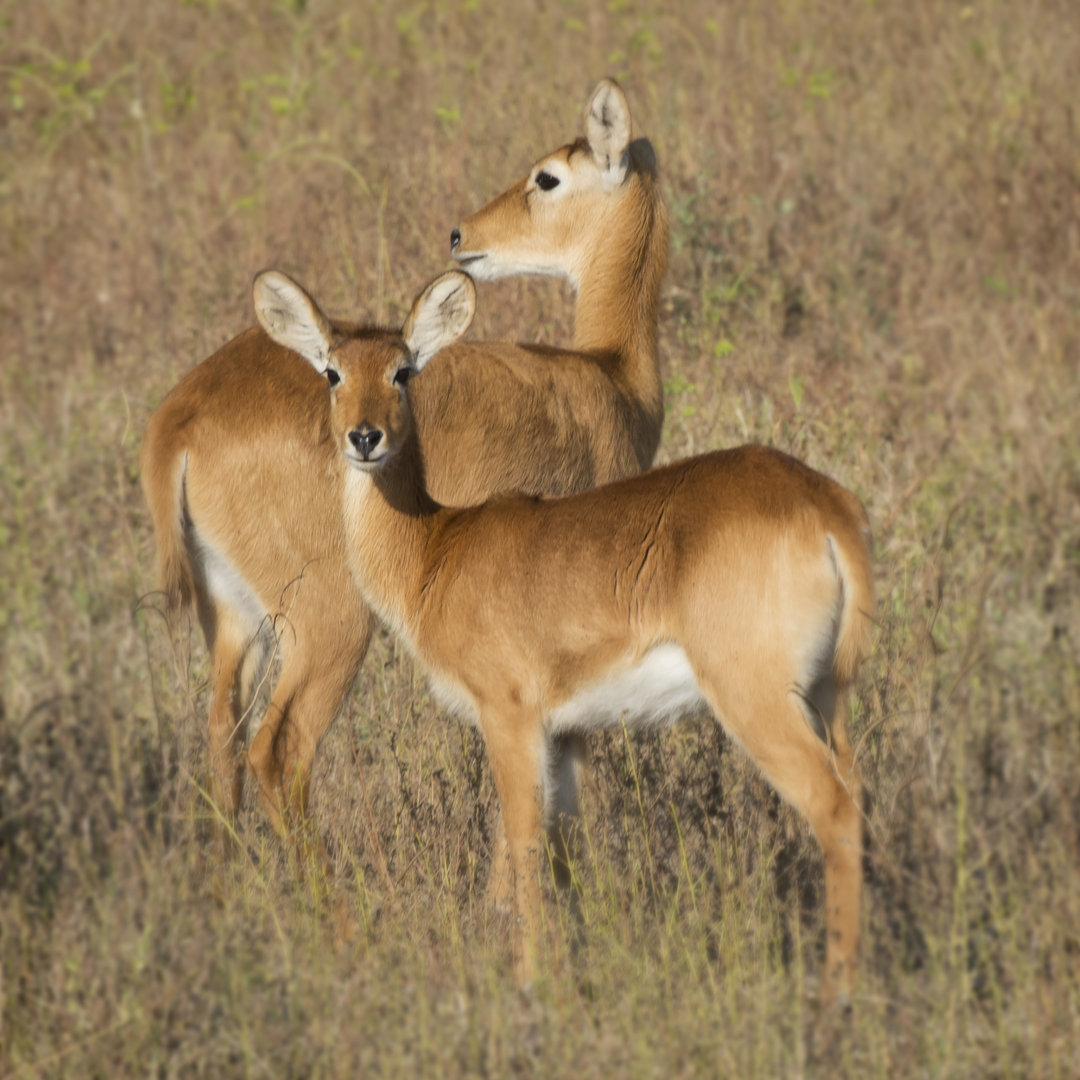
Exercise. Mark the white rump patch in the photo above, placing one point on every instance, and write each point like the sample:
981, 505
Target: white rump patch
230, 590
224, 582
659, 689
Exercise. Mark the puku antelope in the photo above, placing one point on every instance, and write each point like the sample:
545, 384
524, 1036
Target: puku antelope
740, 579
239, 466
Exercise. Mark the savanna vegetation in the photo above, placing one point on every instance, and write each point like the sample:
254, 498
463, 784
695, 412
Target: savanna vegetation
875, 264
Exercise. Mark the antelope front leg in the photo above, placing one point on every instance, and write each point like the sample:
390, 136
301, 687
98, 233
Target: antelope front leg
500, 886
515, 746
566, 754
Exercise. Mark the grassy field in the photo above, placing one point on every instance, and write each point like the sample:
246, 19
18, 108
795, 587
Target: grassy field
875, 264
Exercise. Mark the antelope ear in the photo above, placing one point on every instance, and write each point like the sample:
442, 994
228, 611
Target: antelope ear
439, 316
291, 318
607, 127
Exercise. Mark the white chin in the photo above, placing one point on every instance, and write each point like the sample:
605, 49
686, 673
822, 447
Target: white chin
485, 267
477, 266
366, 465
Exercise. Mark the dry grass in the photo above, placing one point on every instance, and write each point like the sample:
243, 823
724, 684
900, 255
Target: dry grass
875, 264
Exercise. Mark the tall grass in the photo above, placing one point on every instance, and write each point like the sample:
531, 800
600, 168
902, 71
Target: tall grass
875, 265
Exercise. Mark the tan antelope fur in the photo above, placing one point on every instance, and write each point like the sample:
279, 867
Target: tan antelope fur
241, 472
739, 579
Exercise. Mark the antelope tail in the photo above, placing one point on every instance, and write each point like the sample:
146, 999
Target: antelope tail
163, 485
852, 553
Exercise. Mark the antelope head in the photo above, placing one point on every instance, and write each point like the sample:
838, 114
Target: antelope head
549, 221
368, 370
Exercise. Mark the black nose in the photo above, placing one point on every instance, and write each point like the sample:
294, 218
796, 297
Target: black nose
455, 239
365, 438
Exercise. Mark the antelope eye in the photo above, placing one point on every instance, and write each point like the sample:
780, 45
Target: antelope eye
402, 375
545, 181
332, 376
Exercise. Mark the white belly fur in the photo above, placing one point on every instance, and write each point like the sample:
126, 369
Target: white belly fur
657, 690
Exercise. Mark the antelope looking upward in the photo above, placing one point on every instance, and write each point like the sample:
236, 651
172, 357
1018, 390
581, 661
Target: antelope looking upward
241, 472
740, 579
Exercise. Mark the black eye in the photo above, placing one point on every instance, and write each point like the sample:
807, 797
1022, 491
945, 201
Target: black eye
545, 181
332, 377
402, 375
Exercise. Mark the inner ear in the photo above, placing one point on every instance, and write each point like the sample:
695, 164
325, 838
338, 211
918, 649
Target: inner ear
439, 316
291, 317
607, 127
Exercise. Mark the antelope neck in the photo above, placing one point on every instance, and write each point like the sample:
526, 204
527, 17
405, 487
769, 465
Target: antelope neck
389, 520
618, 294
